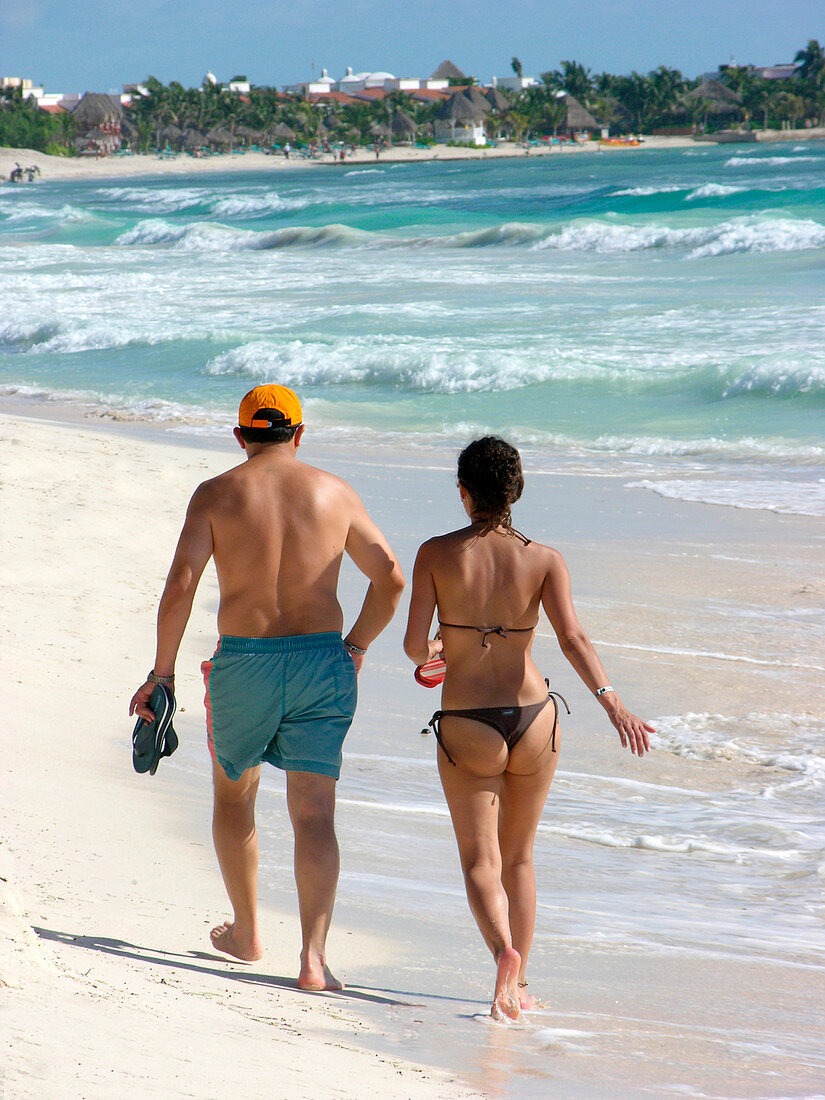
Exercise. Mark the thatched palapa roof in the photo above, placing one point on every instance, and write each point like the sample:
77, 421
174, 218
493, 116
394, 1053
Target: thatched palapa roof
193, 139
478, 99
577, 117
244, 131
448, 71
219, 136
95, 109
458, 108
403, 125
497, 100
723, 100
170, 134
284, 132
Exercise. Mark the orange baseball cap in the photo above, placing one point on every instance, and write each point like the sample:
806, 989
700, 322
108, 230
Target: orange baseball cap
270, 407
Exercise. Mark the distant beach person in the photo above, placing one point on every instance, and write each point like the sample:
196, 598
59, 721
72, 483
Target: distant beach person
498, 733
281, 685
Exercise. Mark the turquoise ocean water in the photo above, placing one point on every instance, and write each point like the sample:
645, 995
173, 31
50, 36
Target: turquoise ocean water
666, 306
656, 317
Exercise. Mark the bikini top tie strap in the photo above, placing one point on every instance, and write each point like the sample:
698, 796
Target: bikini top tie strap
485, 631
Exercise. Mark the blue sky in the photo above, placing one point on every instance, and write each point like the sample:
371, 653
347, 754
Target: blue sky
95, 45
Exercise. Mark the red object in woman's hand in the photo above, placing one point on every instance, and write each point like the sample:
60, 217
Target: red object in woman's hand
431, 674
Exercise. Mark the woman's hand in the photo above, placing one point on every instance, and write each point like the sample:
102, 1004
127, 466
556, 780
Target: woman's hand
435, 647
632, 730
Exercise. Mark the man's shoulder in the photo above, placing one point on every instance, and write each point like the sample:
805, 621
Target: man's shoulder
216, 484
325, 481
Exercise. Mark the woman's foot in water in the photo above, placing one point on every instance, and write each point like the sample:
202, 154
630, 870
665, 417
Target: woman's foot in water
525, 999
506, 1001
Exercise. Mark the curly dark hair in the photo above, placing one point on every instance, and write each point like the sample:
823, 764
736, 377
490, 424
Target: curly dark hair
490, 470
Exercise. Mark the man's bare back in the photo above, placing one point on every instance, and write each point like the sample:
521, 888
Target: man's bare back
279, 531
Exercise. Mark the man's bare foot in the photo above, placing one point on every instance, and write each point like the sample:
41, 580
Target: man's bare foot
316, 976
225, 939
506, 1001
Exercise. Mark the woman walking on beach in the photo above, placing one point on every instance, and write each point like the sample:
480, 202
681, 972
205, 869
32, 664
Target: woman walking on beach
498, 732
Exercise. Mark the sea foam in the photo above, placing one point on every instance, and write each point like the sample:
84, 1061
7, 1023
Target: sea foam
798, 497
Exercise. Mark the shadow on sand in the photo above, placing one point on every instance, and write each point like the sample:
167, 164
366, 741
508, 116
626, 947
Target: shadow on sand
189, 960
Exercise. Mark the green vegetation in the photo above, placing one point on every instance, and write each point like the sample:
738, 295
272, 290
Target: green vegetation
24, 126
171, 116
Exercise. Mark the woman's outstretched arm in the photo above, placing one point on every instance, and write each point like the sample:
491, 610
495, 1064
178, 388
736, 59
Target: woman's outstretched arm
557, 600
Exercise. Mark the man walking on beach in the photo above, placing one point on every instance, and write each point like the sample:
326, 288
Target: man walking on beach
281, 686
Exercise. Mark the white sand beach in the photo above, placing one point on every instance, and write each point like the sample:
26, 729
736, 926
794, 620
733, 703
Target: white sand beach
146, 164
108, 884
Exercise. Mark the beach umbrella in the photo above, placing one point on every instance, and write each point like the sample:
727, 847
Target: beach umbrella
193, 139
170, 134
248, 132
219, 136
282, 132
379, 130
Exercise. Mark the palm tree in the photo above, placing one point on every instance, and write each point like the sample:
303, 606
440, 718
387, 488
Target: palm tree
666, 85
811, 69
810, 62
516, 66
790, 107
573, 78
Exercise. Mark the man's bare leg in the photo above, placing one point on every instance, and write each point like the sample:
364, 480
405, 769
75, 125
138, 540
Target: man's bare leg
311, 803
236, 844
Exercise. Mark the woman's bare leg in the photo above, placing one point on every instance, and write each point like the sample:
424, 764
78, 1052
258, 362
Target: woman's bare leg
474, 807
523, 794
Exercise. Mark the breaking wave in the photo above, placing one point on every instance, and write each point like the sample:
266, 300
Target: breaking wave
773, 162
738, 235
173, 200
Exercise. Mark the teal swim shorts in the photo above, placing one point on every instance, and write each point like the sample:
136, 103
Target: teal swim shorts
289, 701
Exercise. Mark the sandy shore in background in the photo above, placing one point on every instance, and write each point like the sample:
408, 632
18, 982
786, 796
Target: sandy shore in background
109, 885
55, 168
59, 168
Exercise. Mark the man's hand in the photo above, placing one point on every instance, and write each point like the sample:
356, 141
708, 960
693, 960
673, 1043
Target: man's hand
140, 702
357, 660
